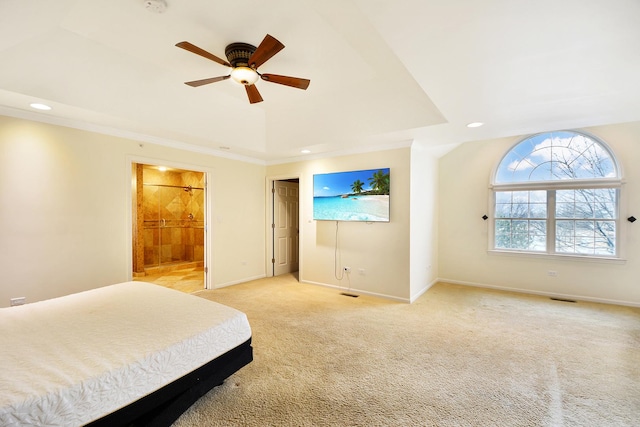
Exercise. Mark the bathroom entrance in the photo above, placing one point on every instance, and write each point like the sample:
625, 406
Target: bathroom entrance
169, 227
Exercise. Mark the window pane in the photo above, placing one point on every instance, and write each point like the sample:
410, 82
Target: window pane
503, 210
606, 228
564, 244
583, 210
538, 210
542, 172
605, 211
503, 234
503, 226
521, 227
605, 236
538, 243
586, 195
564, 228
503, 196
601, 163
581, 169
519, 196
560, 170
565, 236
538, 196
565, 196
605, 195
584, 228
564, 210
519, 210
556, 156
513, 229
585, 218
538, 228
584, 245
604, 247
586, 237
537, 204
589, 203
520, 235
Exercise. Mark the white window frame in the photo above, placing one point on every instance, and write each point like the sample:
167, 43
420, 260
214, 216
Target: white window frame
550, 187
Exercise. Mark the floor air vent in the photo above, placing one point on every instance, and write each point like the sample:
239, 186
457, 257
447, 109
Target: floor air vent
349, 295
563, 300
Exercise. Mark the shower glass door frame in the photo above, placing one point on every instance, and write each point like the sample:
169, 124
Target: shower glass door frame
172, 230
134, 221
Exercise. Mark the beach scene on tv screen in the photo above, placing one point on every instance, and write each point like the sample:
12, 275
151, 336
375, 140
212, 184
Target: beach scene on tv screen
352, 196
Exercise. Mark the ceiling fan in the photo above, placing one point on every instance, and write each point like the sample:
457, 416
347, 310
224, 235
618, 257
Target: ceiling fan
244, 60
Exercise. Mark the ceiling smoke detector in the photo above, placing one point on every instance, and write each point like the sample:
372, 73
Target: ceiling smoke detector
156, 6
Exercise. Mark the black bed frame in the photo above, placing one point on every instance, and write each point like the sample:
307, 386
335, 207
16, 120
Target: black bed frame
165, 405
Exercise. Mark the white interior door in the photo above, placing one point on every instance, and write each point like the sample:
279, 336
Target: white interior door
285, 227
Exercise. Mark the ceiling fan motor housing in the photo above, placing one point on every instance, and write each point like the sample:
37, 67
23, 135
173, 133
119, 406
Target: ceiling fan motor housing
238, 54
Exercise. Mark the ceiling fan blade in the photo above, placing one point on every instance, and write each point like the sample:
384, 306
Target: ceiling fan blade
267, 48
253, 94
197, 83
195, 49
287, 81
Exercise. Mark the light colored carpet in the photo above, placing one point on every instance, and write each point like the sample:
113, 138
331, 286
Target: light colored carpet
458, 356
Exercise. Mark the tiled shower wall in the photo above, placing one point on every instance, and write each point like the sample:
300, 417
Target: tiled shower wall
173, 217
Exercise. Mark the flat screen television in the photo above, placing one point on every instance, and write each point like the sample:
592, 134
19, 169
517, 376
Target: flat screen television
361, 195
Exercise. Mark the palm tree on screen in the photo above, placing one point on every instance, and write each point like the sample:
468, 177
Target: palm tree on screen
380, 182
357, 186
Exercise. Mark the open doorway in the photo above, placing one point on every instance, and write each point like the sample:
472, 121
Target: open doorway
169, 227
285, 227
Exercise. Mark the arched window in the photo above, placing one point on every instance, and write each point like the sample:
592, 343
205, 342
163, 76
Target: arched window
557, 193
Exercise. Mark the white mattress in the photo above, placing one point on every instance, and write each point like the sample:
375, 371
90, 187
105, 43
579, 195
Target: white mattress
71, 360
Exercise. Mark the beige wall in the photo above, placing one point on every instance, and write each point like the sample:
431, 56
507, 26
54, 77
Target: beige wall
424, 219
65, 210
464, 177
65, 216
380, 249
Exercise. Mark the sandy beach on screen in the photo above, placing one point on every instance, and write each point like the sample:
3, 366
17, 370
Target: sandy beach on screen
377, 205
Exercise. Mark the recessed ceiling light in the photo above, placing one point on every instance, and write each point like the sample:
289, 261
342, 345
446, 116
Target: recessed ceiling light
475, 124
305, 151
39, 106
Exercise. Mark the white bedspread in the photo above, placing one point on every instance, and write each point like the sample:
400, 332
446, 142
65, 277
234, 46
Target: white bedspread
71, 360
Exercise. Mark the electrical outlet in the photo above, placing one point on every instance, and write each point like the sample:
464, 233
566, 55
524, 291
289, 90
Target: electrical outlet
361, 271
552, 273
347, 269
18, 301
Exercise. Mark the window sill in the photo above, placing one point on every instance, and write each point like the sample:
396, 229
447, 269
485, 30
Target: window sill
564, 257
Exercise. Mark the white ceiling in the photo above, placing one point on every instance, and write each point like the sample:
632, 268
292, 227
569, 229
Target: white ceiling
383, 73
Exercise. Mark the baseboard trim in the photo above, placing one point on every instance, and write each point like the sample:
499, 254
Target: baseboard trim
237, 282
422, 291
541, 293
357, 291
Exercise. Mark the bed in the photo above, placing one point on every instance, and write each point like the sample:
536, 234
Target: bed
133, 353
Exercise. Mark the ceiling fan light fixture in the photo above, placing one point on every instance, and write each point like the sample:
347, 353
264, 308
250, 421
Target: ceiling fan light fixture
244, 60
245, 75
